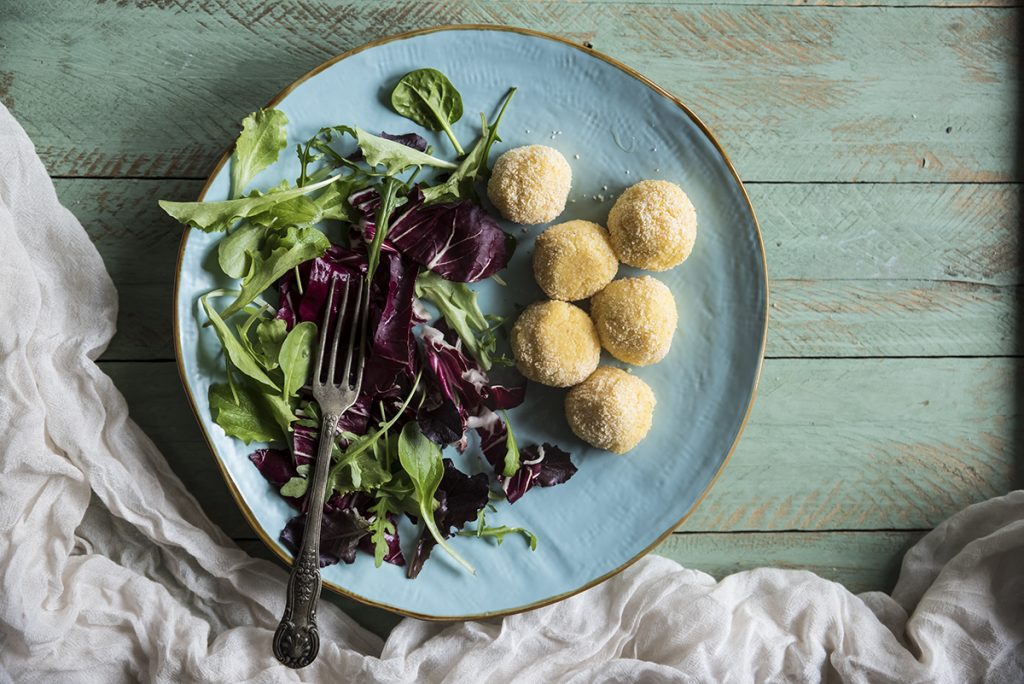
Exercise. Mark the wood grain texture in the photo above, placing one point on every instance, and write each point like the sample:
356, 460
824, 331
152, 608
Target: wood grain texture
857, 270
835, 444
860, 561
809, 93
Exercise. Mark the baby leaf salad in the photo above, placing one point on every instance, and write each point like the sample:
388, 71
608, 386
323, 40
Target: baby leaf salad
386, 208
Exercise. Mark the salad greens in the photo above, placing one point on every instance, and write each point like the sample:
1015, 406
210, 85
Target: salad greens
384, 209
427, 97
262, 139
457, 304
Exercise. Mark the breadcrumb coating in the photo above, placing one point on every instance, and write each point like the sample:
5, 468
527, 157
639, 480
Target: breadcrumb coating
555, 344
611, 409
653, 225
530, 184
573, 260
635, 319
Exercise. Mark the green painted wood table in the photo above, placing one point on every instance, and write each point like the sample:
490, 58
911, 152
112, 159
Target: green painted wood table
877, 142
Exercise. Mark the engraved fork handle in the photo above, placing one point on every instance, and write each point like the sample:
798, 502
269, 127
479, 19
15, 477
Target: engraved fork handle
297, 640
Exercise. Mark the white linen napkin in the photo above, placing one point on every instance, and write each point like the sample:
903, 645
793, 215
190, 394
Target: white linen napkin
110, 571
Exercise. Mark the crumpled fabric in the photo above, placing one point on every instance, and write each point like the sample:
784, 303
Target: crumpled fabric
110, 571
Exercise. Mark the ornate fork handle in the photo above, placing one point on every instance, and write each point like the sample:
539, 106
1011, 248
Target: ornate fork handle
297, 640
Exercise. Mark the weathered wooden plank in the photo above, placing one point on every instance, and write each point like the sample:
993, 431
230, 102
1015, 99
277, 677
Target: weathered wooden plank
860, 561
891, 318
857, 270
869, 443
794, 94
831, 444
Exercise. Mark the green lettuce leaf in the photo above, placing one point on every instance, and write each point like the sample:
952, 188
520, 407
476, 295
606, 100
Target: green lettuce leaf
295, 247
457, 303
263, 137
393, 156
240, 358
296, 356
219, 216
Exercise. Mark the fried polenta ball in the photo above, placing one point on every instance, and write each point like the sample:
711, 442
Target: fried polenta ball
636, 319
653, 225
573, 260
530, 184
611, 409
555, 344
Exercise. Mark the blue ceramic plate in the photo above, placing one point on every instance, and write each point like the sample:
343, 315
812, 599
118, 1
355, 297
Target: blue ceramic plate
615, 128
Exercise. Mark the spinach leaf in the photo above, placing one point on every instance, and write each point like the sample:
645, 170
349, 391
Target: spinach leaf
394, 156
295, 247
421, 460
233, 349
295, 356
457, 303
427, 97
389, 201
212, 217
261, 141
234, 249
247, 418
459, 185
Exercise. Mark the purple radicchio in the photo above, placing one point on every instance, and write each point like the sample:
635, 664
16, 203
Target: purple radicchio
459, 499
459, 241
342, 528
545, 464
458, 390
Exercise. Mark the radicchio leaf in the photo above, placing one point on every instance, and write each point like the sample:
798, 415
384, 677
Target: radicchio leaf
458, 241
460, 497
277, 467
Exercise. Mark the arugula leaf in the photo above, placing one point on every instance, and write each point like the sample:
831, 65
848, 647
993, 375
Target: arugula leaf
381, 526
357, 445
458, 305
499, 533
389, 201
298, 211
270, 335
247, 418
427, 97
421, 460
238, 355
299, 245
511, 450
365, 472
219, 216
297, 486
295, 356
234, 249
394, 156
261, 141
459, 185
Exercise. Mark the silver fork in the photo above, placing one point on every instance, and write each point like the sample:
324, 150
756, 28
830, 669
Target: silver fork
297, 639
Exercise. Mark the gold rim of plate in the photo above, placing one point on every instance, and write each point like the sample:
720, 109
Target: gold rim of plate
247, 513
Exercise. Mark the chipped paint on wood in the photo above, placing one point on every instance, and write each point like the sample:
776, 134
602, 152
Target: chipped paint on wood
806, 93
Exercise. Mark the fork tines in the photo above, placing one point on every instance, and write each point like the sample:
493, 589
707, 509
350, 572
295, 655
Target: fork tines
357, 321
